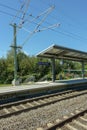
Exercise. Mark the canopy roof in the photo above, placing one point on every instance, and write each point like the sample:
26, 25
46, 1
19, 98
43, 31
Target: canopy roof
60, 52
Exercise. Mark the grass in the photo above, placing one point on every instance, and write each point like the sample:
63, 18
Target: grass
5, 85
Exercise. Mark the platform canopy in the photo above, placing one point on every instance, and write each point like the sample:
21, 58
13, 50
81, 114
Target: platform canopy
60, 52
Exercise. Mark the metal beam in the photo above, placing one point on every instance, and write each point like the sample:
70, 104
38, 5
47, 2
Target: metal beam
15, 47
83, 70
53, 69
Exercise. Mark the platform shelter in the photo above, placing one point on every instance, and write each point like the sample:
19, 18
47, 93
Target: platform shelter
59, 52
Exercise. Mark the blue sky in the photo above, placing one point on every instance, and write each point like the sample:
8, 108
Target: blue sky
72, 32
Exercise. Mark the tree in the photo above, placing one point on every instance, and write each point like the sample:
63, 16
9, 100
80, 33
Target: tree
3, 70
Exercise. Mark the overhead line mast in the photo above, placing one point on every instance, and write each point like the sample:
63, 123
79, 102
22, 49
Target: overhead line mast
14, 44
23, 10
15, 47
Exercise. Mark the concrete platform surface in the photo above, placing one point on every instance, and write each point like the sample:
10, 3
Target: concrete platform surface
37, 85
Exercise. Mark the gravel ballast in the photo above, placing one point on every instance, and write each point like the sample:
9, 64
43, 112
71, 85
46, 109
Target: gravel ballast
40, 117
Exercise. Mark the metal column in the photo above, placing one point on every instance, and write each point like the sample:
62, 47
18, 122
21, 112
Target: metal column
15, 47
15, 52
53, 69
83, 70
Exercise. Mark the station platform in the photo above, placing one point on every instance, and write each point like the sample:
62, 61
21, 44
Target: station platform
42, 84
40, 87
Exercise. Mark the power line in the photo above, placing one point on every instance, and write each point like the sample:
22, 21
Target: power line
8, 7
52, 16
24, 12
24, 6
11, 8
66, 33
17, 13
69, 33
3, 5
45, 13
12, 15
55, 17
41, 25
63, 32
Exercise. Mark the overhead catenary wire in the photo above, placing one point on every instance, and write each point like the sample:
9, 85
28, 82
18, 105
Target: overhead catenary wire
62, 32
65, 32
13, 9
43, 19
53, 16
39, 24
26, 4
6, 13
49, 27
15, 16
18, 12
15, 45
41, 14
31, 33
74, 37
24, 12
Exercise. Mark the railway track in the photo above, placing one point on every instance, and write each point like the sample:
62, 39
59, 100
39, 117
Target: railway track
14, 108
75, 121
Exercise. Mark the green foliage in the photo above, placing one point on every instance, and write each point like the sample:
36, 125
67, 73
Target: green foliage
3, 70
29, 69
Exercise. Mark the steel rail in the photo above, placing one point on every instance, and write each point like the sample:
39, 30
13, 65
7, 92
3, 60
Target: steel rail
62, 123
31, 106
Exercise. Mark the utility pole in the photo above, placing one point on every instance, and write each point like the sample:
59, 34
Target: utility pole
15, 47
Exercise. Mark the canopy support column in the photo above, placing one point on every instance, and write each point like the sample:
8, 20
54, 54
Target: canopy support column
53, 69
82, 69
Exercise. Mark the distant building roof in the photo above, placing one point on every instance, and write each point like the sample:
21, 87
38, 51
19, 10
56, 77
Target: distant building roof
60, 52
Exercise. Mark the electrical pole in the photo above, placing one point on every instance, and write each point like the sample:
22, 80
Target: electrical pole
15, 47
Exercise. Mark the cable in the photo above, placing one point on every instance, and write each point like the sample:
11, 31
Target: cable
67, 17
8, 7
66, 33
52, 16
74, 35
55, 17
43, 19
18, 12
12, 15
24, 4
45, 13
13, 10
24, 13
